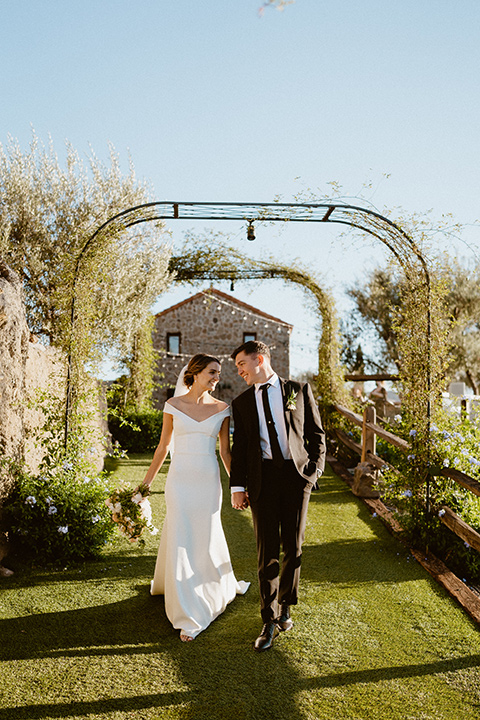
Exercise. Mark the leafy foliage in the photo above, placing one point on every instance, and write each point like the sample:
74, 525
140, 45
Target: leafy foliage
47, 213
454, 442
141, 363
59, 517
375, 302
378, 299
59, 514
137, 431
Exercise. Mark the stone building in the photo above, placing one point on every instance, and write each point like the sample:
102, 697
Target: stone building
215, 323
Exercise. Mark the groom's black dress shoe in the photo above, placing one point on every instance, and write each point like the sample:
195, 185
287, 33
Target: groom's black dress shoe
284, 620
267, 636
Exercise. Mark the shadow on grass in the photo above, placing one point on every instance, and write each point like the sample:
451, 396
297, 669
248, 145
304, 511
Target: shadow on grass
223, 677
219, 674
110, 567
158, 700
355, 562
102, 629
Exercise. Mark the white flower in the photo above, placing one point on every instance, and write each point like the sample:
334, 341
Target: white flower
441, 513
137, 499
63, 529
117, 507
30, 500
407, 493
96, 518
52, 510
398, 418
49, 500
146, 510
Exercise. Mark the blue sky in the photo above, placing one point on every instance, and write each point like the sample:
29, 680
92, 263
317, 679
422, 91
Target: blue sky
216, 103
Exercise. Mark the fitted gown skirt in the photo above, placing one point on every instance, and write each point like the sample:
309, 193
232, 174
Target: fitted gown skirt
193, 569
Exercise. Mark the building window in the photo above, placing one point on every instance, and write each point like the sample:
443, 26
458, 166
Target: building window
173, 343
249, 336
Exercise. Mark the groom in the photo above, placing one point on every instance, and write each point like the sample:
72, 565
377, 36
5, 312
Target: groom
278, 452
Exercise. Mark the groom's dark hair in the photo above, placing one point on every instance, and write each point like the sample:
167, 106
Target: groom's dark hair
252, 347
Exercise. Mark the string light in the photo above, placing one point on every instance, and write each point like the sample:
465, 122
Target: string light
209, 298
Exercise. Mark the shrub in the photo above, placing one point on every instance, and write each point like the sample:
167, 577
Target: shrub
59, 517
137, 432
453, 443
58, 514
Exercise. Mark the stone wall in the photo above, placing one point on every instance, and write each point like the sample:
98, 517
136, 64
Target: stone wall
14, 340
45, 369
213, 322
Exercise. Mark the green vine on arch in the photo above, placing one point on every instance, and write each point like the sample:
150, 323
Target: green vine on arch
206, 258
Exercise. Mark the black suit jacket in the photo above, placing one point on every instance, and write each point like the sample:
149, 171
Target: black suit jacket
306, 438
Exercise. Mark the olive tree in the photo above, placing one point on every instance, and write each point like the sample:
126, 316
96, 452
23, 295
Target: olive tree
48, 210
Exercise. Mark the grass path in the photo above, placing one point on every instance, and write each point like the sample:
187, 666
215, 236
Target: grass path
375, 638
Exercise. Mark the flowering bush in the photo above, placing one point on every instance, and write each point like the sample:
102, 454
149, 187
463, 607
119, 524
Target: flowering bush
453, 442
59, 516
132, 512
59, 513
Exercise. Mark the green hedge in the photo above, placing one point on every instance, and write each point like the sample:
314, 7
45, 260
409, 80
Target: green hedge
137, 432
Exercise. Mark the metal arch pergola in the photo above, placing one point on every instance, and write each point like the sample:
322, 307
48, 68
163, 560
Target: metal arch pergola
329, 211
402, 246
399, 242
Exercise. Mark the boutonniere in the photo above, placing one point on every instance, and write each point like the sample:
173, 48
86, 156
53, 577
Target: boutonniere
291, 401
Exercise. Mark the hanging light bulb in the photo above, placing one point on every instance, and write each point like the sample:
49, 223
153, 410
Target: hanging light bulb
250, 231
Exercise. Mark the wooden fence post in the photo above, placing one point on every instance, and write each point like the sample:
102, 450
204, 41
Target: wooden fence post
369, 440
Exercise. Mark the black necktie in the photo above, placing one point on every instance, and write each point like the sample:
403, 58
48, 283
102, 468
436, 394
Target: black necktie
277, 455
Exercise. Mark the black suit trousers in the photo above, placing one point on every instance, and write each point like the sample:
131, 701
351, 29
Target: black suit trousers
279, 518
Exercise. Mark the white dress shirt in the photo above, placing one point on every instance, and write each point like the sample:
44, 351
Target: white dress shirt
275, 400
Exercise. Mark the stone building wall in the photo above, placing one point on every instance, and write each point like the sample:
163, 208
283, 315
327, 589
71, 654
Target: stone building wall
215, 323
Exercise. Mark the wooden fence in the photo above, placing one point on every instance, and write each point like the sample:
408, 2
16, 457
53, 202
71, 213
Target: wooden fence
367, 451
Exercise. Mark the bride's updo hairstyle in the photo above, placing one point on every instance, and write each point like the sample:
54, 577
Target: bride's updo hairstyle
197, 363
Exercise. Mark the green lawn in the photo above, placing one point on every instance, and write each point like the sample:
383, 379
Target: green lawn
374, 637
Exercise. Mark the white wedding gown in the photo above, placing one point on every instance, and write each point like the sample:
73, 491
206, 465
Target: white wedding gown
193, 568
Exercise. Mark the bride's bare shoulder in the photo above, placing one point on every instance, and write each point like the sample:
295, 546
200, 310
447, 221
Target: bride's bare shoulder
174, 402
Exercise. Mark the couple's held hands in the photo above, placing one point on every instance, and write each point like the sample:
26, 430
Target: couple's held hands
240, 500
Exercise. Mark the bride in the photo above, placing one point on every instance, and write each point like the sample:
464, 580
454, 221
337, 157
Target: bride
193, 568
